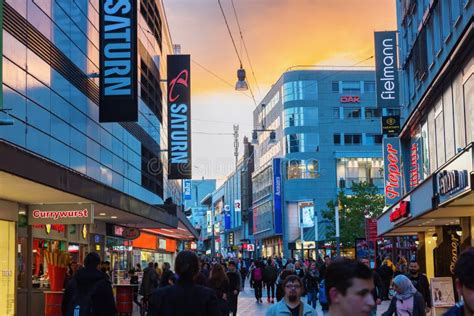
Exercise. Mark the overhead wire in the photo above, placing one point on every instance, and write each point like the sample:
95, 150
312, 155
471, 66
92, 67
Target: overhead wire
235, 48
218, 77
245, 47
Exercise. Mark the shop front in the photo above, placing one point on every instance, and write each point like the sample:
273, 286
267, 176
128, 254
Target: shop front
8, 264
272, 247
439, 212
118, 250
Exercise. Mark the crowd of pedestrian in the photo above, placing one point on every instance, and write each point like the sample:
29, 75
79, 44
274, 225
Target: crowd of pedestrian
204, 286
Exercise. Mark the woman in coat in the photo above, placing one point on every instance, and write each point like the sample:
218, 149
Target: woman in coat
407, 300
219, 282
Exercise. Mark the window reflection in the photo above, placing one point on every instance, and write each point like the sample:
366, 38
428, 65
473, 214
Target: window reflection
300, 90
356, 170
302, 169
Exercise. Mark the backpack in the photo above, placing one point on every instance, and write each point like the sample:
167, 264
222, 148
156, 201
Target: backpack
322, 293
81, 303
257, 274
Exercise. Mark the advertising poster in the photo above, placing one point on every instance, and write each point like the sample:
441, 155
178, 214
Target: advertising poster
442, 292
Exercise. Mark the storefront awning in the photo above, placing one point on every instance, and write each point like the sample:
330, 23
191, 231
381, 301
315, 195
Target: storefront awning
29, 179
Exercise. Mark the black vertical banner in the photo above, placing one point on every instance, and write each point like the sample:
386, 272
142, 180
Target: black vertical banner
386, 69
118, 61
179, 117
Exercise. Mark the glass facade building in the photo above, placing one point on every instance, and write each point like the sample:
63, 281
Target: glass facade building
328, 135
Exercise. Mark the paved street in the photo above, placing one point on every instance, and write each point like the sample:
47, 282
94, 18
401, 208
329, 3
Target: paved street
249, 307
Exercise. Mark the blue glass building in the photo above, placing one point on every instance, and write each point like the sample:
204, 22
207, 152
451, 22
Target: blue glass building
328, 135
57, 151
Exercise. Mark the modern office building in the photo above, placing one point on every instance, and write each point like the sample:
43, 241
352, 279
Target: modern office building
57, 154
436, 49
327, 135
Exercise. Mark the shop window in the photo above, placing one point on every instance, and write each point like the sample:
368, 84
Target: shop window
302, 169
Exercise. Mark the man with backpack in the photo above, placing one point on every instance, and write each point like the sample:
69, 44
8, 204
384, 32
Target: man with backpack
89, 293
256, 279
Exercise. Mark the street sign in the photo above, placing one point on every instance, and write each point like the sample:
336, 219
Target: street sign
237, 206
187, 185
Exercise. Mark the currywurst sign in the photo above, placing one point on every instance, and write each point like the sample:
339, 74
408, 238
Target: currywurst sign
118, 61
61, 214
386, 69
179, 117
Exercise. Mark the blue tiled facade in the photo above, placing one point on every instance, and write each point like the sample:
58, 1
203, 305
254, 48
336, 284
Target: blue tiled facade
58, 121
328, 136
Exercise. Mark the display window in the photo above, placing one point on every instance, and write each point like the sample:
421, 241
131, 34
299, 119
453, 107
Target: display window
7, 268
40, 273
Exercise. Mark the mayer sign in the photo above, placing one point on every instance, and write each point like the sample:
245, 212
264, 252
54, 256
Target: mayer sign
386, 65
61, 214
179, 117
118, 61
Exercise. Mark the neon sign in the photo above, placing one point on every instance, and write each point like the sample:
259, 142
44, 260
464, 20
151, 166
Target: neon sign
402, 211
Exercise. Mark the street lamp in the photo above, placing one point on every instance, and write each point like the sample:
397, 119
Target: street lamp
241, 84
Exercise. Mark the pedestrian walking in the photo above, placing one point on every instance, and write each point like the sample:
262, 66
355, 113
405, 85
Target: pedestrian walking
149, 282
270, 275
420, 282
166, 275
349, 286
235, 281
407, 301
386, 272
243, 273
89, 292
464, 284
134, 281
377, 287
291, 303
280, 291
256, 279
184, 298
311, 284
219, 282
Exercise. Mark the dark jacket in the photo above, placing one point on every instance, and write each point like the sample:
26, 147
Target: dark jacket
102, 296
457, 310
270, 274
311, 281
234, 281
386, 273
377, 291
418, 306
422, 285
149, 281
183, 299
165, 277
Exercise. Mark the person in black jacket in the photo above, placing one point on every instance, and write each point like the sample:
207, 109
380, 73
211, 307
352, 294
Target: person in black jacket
89, 282
166, 275
311, 284
270, 275
377, 291
234, 287
184, 298
420, 282
134, 282
463, 271
407, 301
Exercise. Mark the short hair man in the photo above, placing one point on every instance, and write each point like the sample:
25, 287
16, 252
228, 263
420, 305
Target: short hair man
463, 272
377, 286
349, 286
291, 302
420, 282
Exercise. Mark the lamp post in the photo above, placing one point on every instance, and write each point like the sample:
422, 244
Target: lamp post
338, 241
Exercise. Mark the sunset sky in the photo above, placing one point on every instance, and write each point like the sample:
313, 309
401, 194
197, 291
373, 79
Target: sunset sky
278, 34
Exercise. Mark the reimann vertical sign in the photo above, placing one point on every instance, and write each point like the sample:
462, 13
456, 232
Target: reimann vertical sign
278, 216
118, 61
386, 69
392, 171
179, 117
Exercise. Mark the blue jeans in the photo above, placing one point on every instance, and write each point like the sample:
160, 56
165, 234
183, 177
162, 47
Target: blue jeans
312, 297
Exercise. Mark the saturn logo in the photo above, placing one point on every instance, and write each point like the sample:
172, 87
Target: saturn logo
391, 121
